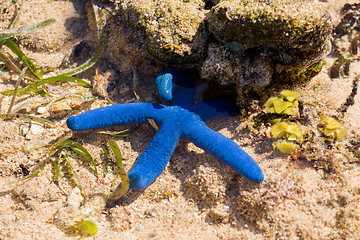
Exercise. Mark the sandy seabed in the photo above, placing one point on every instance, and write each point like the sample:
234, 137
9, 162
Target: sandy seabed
196, 197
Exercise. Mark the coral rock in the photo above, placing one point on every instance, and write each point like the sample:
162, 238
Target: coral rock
174, 30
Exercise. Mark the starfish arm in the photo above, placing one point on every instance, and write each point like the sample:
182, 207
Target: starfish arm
225, 150
176, 85
153, 160
119, 114
217, 107
164, 85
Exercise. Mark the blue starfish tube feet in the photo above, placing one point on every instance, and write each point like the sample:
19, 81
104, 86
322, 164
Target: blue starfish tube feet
184, 120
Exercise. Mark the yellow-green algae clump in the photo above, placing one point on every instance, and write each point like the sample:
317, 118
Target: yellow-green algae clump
287, 103
331, 129
286, 129
290, 133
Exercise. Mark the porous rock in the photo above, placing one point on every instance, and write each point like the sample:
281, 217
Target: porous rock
174, 31
242, 44
238, 43
258, 40
296, 25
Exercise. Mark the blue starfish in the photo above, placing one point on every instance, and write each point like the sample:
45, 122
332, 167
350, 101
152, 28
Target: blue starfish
183, 119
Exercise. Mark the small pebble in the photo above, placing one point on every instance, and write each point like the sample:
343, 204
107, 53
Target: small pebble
75, 198
220, 213
35, 131
24, 128
60, 106
41, 110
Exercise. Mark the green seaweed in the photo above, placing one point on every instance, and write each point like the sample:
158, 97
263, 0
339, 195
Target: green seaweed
80, 150
10, 33
117, 153
123, 187
55, 164
72, 171
37, 170
8, 63
100, 19
5, 39
16, 88
15, 49
106, 162
25, 116
61, 78
59, 160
